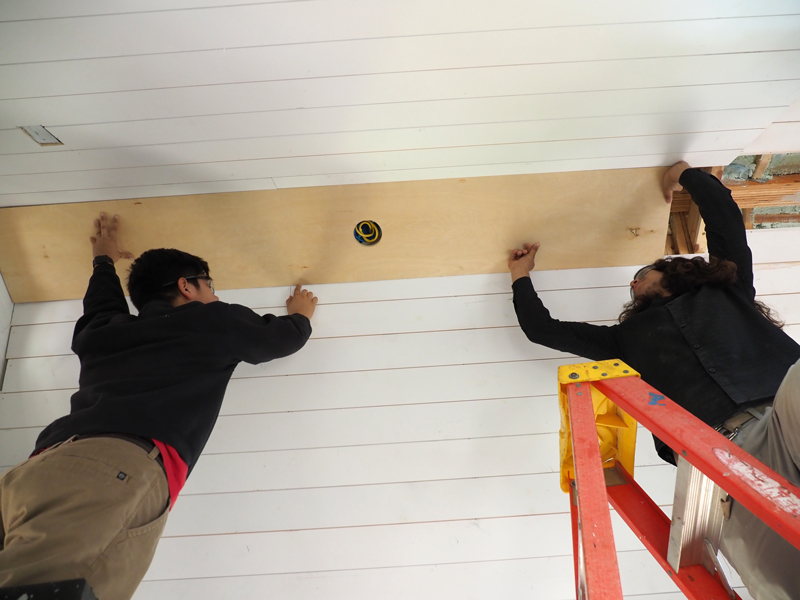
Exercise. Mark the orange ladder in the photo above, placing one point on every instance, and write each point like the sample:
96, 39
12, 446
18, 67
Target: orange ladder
602, 402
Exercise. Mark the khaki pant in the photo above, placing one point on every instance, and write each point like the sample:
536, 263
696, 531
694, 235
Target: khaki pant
93, 508
768, 565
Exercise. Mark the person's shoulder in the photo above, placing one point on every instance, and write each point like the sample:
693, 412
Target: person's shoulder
217, 310
120, 318
233, 307
216, 306
235, 311
157, 309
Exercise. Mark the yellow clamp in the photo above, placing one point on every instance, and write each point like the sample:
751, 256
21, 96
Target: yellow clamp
616, 430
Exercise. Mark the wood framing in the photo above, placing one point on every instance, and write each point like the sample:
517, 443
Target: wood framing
749, 220
762, 162
779, 218
281, 237
679, 234
782, 190
697, 229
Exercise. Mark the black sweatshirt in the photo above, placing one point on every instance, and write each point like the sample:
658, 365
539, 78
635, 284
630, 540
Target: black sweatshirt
709, 350
162, 375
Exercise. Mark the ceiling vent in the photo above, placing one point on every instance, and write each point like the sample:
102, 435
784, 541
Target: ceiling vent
41, 136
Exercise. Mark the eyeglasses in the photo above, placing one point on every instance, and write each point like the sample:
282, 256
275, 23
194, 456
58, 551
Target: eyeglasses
208, 280
640, 274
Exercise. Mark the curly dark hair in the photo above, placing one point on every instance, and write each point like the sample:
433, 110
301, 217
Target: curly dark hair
153, 270
681, 275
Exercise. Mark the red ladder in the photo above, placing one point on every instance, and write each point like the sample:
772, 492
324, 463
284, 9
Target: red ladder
600, 401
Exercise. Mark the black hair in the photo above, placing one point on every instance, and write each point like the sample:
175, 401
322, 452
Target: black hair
153, 270
681, 275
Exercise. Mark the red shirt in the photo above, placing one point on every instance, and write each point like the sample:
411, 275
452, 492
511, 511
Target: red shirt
176, 470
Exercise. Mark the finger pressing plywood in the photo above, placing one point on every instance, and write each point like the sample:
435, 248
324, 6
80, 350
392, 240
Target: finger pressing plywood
280, 237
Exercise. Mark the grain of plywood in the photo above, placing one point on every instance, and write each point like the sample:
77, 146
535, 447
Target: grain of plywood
281, 237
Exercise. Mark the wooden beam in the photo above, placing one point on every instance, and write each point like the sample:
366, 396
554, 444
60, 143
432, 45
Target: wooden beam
747, 215
680, 234
697, 229
778, 191
692, 224
668, 247
762, 162
281, 237
778, 218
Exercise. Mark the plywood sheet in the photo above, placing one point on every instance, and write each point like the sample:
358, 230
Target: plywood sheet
280, 237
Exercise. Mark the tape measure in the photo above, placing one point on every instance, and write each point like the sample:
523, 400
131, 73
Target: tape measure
367, 233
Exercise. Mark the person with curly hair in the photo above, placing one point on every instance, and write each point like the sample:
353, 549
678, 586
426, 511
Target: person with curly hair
695, 331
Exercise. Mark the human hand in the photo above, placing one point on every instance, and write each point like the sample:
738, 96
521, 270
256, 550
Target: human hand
104, 240
302, 302
671, 181
521, 262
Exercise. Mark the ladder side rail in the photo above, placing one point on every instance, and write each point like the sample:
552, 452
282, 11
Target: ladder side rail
576, 539
758, 488
599, 570
649, 523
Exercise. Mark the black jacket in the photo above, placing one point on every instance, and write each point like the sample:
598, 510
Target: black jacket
163, 374
709, 350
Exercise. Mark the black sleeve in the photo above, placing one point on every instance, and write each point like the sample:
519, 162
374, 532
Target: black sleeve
255, 339
104, 297
664, 451
725, 230
595, 342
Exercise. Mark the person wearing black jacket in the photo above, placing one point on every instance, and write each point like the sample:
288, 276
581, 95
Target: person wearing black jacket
695, 332
93, 499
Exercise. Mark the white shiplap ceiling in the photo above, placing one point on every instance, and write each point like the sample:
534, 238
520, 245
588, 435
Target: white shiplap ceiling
180, 97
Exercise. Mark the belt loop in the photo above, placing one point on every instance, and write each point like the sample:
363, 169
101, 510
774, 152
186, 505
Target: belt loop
758, 415
154, 453
65, 442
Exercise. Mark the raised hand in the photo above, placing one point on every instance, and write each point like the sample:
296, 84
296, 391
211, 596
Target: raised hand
522, 261
301, 301
104, 240
671, 181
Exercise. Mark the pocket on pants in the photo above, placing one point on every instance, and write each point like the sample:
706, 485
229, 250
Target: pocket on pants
117, 575
155, 526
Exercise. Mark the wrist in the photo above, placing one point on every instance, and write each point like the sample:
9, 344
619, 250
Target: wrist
519, 274
102, 259
677, 170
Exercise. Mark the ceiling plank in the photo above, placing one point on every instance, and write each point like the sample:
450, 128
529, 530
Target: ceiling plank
599, 79
262, 141
527, 157
612, 27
